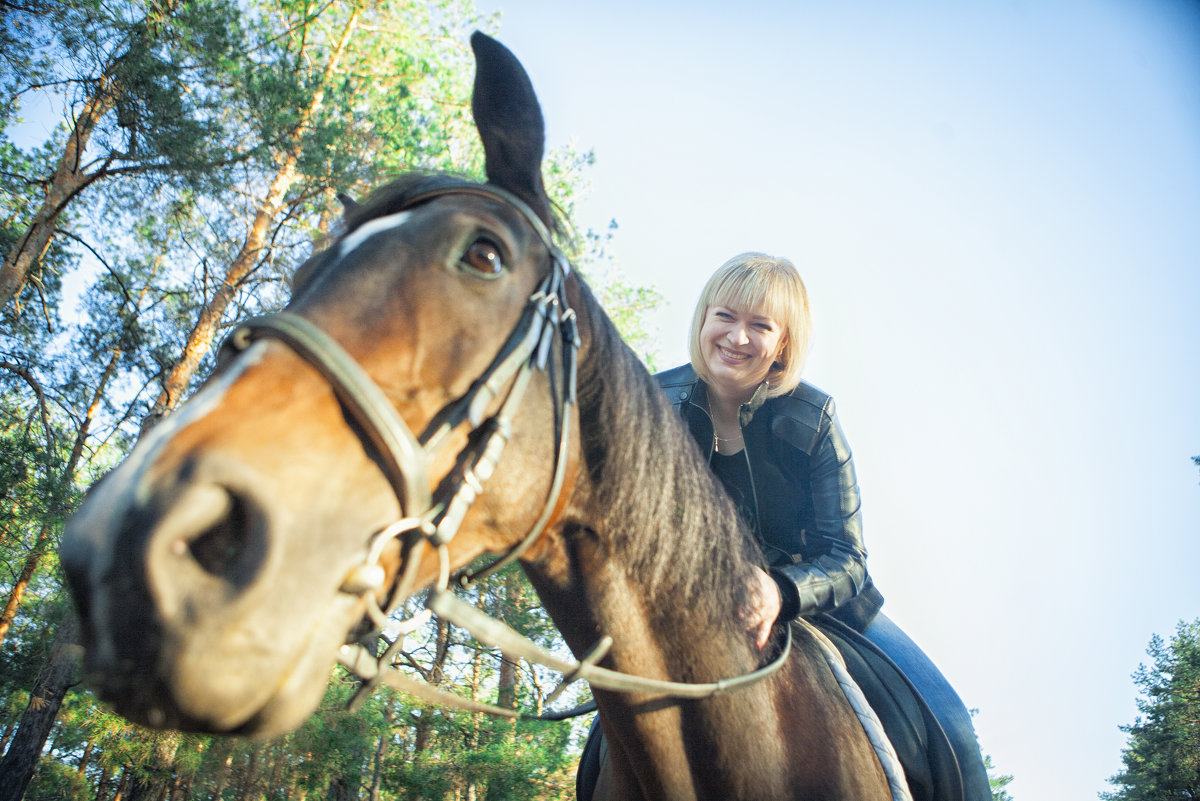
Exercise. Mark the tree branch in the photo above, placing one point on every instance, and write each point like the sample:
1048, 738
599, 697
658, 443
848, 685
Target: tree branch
29, 378
105, 264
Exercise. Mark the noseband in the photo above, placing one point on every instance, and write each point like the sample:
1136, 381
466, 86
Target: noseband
405, 460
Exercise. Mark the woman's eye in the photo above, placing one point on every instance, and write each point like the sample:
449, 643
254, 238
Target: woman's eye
483, 256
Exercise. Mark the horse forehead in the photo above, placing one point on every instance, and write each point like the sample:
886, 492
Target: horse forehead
492, 210
355, 239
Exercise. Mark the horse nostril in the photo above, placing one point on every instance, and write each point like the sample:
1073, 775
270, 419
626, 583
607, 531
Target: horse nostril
219, 548
219, 531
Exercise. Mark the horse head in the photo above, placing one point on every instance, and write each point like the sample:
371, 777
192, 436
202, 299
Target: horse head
220, 567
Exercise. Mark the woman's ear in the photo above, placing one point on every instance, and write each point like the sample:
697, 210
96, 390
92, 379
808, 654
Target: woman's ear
778, 363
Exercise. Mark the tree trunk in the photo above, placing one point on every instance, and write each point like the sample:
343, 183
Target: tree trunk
381, 748
66, 182
22, 583
506, 692
102, 784
251, 776
120, 796
69, 178
442, 650
82, 767
223, 773
249, 256
21, 760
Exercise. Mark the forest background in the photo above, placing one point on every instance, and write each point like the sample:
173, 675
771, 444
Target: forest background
197, 152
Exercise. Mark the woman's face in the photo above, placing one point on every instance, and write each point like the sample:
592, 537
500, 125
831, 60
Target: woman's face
739, 346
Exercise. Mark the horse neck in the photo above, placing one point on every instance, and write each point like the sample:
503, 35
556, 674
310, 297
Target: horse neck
666, 564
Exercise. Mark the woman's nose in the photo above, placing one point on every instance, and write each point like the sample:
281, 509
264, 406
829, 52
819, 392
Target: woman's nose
737, 335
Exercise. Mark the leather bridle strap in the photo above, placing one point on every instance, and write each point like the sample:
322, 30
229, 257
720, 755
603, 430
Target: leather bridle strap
405, 458
404, 462
496, 634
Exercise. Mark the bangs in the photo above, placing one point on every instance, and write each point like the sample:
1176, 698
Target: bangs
758, 290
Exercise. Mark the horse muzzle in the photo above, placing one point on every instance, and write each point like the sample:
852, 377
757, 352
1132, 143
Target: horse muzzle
189, 618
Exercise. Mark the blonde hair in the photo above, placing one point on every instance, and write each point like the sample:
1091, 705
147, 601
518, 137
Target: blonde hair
765, 285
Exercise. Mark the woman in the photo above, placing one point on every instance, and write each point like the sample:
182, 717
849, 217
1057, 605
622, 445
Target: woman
775, 443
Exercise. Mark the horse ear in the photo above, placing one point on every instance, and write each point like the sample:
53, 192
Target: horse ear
349, 204
510, 124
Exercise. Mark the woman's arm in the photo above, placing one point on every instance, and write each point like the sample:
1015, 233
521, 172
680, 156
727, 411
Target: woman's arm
836, 568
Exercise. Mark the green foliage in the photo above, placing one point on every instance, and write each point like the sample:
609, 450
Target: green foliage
203, 107
58, 782
1162, 756
998, 782
156, 65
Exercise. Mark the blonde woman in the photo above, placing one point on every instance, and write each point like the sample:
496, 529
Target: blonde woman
775, 443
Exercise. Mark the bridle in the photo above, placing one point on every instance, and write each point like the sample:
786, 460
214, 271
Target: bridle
405, 460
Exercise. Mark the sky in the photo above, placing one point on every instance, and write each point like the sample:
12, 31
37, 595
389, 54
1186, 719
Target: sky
996, 209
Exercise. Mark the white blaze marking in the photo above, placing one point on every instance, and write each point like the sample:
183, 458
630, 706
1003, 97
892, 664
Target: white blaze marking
367, 230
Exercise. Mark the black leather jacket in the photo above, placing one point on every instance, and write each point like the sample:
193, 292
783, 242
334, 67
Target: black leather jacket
804, 493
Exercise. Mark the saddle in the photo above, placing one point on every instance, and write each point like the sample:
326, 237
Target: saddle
921, 745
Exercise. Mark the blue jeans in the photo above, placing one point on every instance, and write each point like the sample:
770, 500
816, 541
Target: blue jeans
947, 707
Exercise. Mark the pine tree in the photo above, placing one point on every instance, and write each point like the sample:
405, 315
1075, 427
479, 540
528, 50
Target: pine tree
140, 85
1162, 757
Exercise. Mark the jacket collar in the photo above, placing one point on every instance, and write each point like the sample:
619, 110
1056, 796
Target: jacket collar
746, 412
749, 408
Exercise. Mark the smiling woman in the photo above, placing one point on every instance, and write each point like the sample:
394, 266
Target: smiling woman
738, 348
775, 443
751, 325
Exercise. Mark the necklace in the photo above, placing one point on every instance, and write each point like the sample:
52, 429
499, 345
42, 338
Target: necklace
718, 440
727, 442
725, 445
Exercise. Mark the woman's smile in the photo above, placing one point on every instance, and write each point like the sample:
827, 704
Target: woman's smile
732, 355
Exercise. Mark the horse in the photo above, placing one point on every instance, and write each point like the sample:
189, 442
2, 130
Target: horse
286, 507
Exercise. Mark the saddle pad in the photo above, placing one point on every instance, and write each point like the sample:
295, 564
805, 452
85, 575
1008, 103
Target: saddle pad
922, 747
867, 716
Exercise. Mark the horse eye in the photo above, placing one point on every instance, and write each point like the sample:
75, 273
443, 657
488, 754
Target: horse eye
483, 256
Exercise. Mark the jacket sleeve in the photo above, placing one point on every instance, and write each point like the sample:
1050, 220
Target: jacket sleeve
834, 568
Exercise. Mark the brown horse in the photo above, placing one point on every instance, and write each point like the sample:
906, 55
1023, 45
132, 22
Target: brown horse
220, 568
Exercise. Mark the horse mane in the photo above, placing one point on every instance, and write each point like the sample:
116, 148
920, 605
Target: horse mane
661, 507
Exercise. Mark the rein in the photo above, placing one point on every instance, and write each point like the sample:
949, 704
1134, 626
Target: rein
405, 460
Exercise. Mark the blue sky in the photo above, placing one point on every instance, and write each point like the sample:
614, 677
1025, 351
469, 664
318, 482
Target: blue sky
995, 206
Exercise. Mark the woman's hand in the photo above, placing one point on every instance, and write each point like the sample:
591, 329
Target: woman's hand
764, 607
